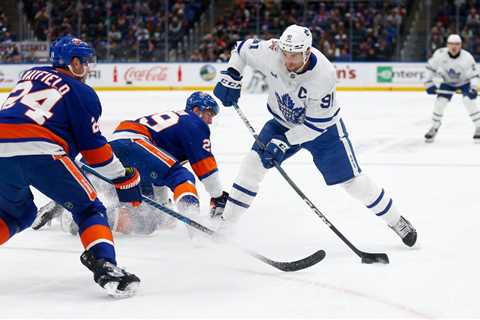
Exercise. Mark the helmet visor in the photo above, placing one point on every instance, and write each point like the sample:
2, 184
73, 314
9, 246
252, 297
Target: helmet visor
90, 61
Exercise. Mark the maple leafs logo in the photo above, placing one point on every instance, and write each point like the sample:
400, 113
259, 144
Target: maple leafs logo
287, 107
453, 74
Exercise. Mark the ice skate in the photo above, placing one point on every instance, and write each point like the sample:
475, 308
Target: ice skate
476, 135
116, 281
430, 135
406, 231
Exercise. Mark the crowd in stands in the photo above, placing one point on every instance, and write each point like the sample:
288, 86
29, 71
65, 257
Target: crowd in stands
469, 25
124, 30
342, 30
120, 30
8, 50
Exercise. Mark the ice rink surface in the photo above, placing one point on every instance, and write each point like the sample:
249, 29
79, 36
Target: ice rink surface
434, 185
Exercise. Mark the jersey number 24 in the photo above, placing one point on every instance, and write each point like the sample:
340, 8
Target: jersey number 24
38, 102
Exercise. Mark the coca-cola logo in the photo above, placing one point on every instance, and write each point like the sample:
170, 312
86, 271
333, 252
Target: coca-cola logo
152, 74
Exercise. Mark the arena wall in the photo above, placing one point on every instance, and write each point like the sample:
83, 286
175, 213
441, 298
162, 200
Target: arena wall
201, 76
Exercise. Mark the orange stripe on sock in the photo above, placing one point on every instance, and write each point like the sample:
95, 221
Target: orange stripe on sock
98, 155
78, 175
204, 166
25, 131
184, 188
134, 127
95, 234
4, 232
167, 159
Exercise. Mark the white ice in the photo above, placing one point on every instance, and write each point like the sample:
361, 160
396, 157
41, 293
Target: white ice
434, 185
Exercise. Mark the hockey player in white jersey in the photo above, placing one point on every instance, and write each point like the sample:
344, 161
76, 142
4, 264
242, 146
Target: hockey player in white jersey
455, 67
306, 115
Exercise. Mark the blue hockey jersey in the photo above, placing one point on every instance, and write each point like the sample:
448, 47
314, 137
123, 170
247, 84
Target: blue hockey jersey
50, 112
183, 135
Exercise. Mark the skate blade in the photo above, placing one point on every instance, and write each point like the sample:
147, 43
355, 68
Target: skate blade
129, 291
429, 140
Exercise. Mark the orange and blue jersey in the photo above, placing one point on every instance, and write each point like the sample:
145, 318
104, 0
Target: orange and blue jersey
174, 137
49, 112
181, 134
48, 118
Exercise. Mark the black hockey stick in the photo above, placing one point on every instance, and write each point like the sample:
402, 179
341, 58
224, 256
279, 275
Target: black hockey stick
284, 266
365, 256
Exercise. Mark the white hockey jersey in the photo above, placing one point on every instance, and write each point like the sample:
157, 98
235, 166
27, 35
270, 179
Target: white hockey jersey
453, 71
306, 103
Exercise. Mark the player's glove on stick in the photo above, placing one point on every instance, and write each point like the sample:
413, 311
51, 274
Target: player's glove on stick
432, 89
128, 187
274, 151
228, 87
472, 93
217, 205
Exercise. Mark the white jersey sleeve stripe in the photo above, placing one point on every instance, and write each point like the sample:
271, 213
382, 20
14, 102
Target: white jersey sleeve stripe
323, 119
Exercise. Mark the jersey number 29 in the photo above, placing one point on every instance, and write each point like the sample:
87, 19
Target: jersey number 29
161, 121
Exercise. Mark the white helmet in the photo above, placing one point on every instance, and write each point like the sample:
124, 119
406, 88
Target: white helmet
454, 38
295, 39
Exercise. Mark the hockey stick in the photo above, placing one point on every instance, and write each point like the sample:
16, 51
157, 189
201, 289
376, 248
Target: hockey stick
365, 256
283, 266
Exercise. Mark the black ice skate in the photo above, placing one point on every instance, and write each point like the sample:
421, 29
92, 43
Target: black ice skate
476, 135
406, 231
430, 135
116, 281
46, 214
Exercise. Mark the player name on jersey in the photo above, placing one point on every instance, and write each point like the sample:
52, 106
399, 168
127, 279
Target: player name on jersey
50, 79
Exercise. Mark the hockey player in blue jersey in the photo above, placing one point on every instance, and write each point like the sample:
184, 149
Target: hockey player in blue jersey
159, 144
306, 115
48, 118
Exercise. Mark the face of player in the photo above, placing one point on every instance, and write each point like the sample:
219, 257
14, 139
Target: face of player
454, 48
293, 60
206, 116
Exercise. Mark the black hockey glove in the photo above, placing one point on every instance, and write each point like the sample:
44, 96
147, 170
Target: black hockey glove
217, 205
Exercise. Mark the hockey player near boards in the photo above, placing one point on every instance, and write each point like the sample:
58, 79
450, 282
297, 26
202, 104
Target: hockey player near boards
48, 118
306, 115
457, 70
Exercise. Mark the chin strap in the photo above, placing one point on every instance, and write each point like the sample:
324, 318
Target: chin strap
79, 75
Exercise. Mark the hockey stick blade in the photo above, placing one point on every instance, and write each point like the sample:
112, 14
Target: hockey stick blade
291, 266
283, 266
369, 258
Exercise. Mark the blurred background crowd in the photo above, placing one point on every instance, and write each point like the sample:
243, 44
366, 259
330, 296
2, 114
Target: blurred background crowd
182, 30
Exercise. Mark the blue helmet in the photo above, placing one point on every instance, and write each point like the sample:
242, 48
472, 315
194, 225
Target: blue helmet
202, 100
64, 49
